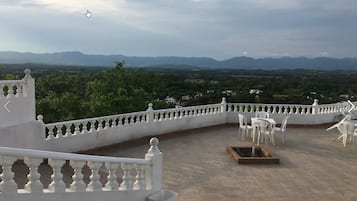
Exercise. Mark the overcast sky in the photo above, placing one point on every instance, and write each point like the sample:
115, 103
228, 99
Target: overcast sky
200, 28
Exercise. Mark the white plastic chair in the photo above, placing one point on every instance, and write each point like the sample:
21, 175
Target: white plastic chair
354, 135
340, 125
261, 114
266, 130
282, 129
348, 131
244, 128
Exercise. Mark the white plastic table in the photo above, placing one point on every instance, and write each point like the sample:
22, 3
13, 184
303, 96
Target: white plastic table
255, 125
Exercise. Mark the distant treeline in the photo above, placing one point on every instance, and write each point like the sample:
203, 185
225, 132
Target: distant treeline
69, 92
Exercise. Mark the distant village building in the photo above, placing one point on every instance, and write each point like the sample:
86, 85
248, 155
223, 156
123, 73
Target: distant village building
185, 98
198, 95
229, 92
170, 100
345, 96
255, 91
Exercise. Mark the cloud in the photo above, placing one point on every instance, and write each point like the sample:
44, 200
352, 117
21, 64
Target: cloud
216, 28
80, 5
323, 53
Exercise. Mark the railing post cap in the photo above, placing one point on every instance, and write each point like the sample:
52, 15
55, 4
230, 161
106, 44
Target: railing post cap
154, 149
316, 102
223, 99
40, 118
27, 73
154, 141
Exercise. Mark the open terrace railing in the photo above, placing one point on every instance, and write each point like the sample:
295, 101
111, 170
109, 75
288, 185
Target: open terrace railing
90, 125
154, 122
139, 177
183, 112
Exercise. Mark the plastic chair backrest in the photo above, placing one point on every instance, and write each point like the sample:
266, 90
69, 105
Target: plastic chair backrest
284, 123
262, 114
242, 121
340, 124
348, 127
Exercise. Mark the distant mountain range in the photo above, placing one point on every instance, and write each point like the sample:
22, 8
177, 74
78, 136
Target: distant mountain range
80, 59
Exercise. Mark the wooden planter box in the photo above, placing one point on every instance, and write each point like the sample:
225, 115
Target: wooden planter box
243, 155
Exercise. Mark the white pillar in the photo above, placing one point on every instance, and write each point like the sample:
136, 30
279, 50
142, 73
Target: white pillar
154, 173
315, 105
223, 105
150, 113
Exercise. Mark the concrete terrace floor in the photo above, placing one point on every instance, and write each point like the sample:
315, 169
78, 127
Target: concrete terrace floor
313, 166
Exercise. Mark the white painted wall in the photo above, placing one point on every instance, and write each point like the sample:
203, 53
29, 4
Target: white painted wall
18, 108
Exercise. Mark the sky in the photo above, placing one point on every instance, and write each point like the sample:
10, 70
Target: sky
220, 29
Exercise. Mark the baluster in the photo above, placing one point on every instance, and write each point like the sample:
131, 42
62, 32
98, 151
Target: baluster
68, 130
100, 125
158, 116
245, 108
92, 126
195, 112
7, 185
58, 131
76, 129
106, 125
140, 177
10, 91
84, 127
127, 183
143, 120
230, 108
126, 121
112, 183
119, 121
94, 184
33, 185
2, 96
132, 122
18, 91
77, 185
50, 133
57, 184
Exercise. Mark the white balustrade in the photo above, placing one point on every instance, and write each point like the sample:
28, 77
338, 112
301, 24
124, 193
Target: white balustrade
7, 185
131, 170
90, 125
12, 89
270, 108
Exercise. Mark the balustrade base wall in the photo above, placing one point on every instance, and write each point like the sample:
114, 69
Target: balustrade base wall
78, 196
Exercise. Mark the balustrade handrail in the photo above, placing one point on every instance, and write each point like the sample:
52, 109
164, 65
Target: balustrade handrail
187, 108
12, 81
270, 104
9, 151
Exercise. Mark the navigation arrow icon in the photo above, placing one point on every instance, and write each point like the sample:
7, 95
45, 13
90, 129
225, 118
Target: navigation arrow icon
5, 106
